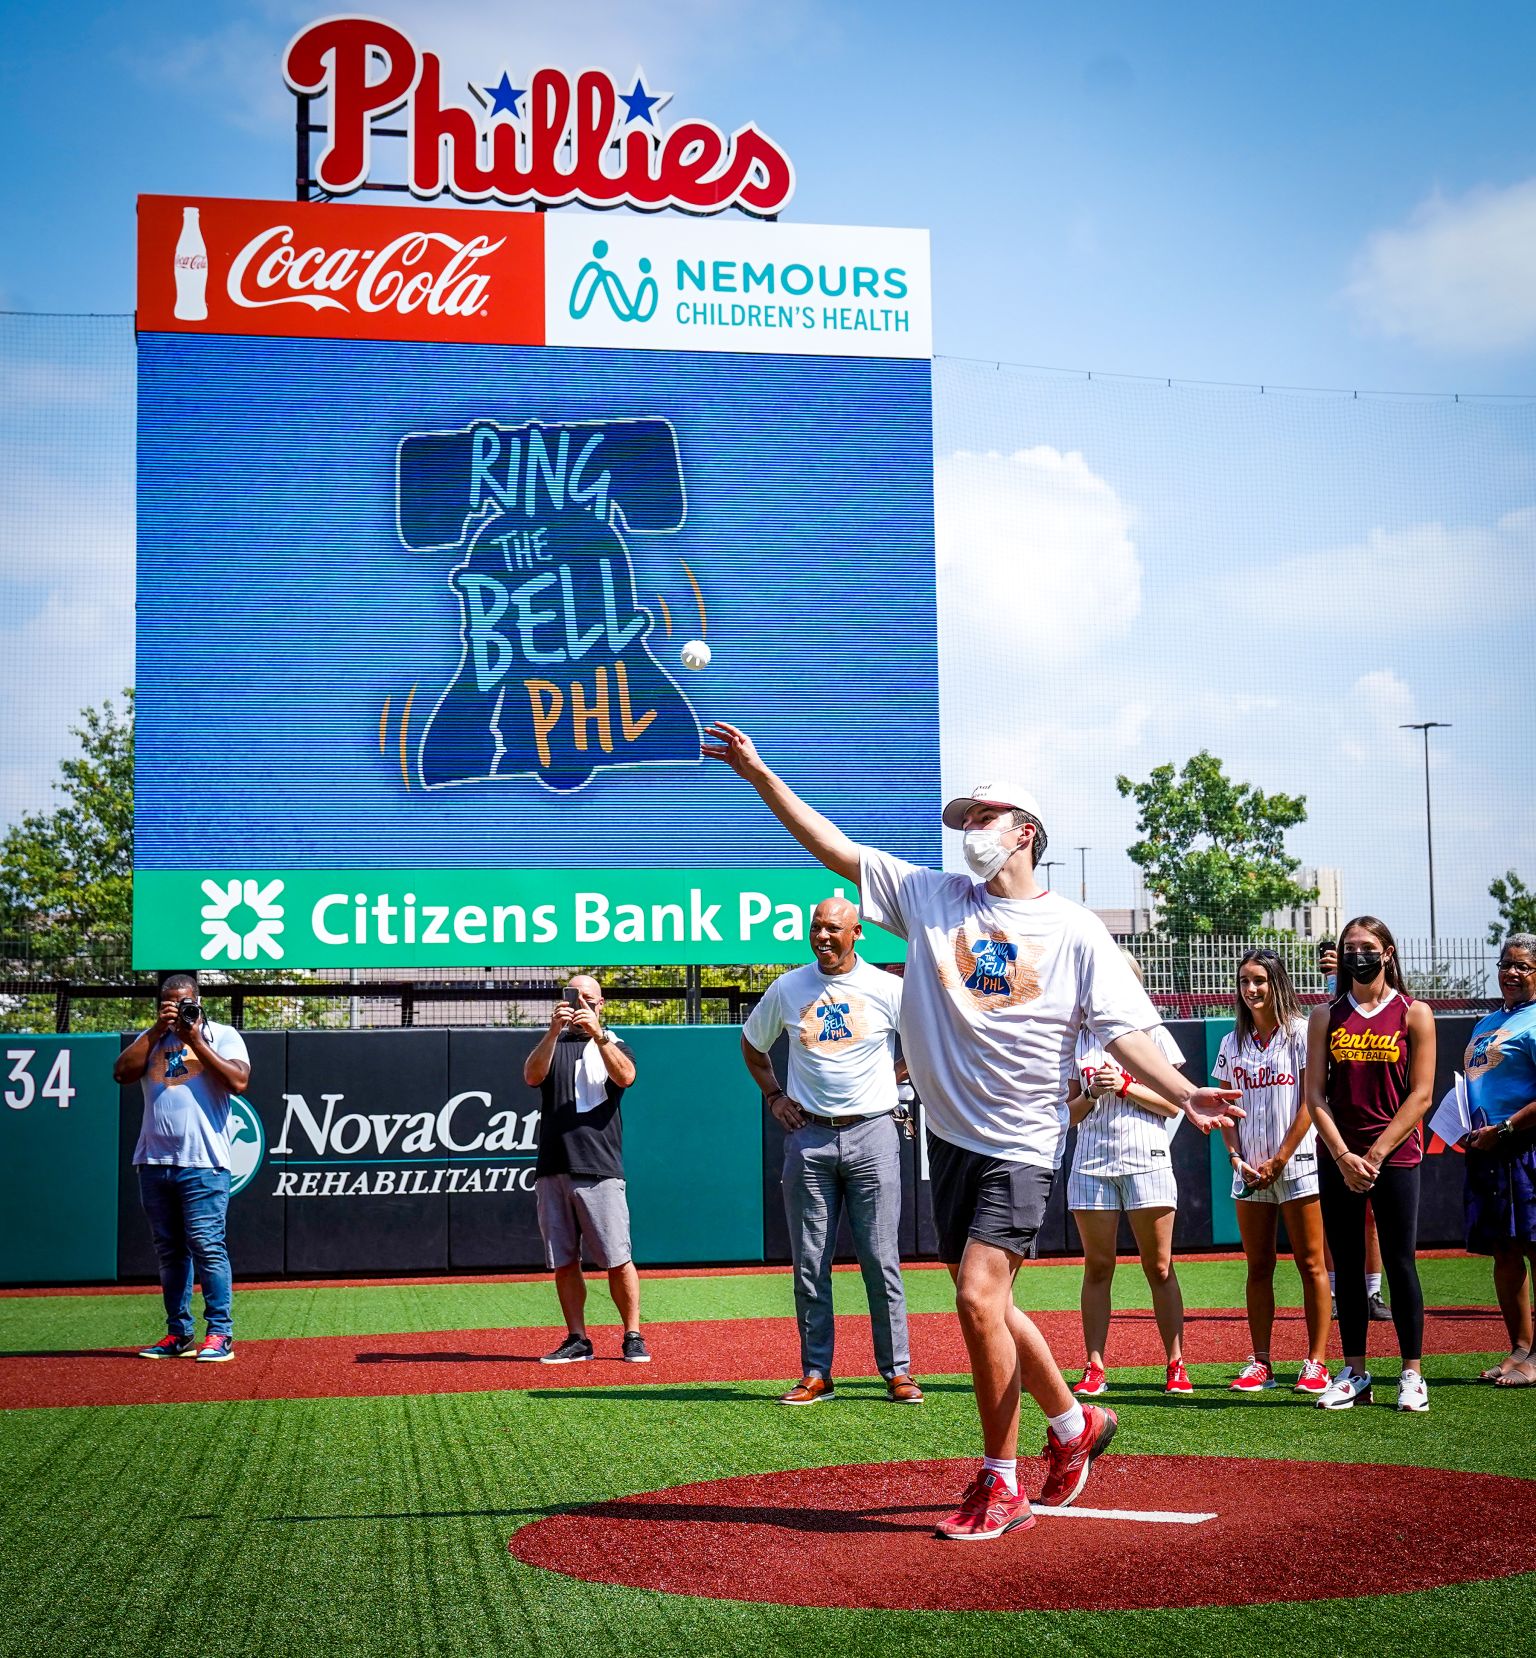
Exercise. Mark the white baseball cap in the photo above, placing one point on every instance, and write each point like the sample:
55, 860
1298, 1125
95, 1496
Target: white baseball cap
991, 794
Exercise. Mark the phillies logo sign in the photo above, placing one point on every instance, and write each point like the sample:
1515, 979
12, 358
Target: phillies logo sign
560, 139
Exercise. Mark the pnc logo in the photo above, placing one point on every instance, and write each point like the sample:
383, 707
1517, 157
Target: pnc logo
247, 1143
242, 920
594, 277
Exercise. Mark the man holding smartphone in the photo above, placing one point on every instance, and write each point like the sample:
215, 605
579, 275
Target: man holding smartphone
581, 1070
189, 1068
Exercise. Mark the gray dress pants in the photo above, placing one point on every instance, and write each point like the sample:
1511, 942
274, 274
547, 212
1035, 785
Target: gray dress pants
826, 1169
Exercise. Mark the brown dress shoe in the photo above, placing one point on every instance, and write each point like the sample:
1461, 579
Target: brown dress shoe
903, 1390
807, 1391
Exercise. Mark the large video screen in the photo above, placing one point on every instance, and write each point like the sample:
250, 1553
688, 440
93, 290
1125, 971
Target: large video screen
428, 631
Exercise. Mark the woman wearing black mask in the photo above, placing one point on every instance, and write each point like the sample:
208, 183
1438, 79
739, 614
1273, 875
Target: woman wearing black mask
1370, 1076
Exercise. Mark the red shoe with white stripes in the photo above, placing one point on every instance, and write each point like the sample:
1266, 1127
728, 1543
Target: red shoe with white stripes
1094, 1382
1178, 1378
1314, 1377
1254, 1377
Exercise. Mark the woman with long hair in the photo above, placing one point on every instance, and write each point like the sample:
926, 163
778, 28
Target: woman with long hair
1273, 1153
1500, 1069
1370, 1076
1122, 1164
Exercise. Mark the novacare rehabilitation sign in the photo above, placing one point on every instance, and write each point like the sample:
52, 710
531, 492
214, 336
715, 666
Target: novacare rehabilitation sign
455, 531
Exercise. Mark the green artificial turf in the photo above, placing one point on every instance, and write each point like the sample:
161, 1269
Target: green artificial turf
39, 1323
380, 1525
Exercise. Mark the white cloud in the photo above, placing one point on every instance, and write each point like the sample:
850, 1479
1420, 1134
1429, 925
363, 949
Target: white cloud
1459, 276
1034, 553
73, 652
1390, 577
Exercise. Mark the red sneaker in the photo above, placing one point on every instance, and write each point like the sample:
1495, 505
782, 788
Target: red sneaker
1254, 1377
1094, 1382
987, 1509
1067, 1465
1314, 1377
1178, 1378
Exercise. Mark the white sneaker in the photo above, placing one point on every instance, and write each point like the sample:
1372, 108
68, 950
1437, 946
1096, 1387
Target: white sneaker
1412, 1394
1349, 1387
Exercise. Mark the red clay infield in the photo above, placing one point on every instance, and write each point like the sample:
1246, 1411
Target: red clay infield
861, 1537
749, 1351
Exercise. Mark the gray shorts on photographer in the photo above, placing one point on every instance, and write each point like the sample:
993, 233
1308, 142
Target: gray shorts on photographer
573, 1209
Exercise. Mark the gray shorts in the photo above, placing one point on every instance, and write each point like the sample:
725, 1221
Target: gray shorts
573, 1209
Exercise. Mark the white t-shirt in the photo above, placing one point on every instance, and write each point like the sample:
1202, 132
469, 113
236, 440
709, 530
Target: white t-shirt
1272, 1079
842, 1031
1118, 1136
186, 1109
996, 992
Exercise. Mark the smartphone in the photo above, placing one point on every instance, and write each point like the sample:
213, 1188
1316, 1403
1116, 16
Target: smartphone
571, 996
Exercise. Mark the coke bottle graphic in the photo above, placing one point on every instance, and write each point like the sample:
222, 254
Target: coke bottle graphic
191, 270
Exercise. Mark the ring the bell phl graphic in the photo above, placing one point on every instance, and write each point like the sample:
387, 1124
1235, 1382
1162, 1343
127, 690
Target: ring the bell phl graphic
556, 678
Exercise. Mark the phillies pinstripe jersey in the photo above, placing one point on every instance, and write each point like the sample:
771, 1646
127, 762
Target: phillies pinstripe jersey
1118, 1136
1271, 1077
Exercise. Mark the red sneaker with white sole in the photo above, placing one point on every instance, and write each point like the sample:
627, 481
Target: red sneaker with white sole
1178, 1378
1254, 1377
1094, 1382
1314, 1377
1067, 1466
987, 1510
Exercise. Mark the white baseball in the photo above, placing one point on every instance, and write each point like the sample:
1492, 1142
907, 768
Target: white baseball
696, 654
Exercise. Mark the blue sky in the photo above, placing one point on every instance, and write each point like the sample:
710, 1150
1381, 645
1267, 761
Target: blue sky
1310, 196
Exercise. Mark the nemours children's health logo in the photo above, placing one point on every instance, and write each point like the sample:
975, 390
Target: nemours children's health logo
595, 278
247, 1143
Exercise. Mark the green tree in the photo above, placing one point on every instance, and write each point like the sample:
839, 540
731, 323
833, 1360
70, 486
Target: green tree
1517, 907
1213, 851
66, 876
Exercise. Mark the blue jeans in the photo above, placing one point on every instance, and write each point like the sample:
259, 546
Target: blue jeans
187, 1210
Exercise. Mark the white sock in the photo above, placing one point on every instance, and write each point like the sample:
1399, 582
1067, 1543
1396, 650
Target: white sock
1068, 1425
1006, 1469
1332, 1284
1373, 1283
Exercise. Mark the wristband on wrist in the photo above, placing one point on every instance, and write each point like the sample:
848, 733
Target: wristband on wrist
1125, 1084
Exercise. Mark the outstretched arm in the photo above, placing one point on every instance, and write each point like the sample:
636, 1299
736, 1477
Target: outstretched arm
1206, 1108
818, 835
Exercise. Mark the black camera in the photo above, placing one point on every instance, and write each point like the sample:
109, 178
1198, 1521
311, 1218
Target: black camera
188, 1011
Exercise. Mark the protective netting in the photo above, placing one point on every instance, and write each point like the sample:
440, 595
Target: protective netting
1128, 572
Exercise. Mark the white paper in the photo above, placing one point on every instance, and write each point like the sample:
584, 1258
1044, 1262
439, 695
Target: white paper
1452, 1119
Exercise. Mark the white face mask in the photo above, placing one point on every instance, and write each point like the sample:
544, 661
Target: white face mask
985, 853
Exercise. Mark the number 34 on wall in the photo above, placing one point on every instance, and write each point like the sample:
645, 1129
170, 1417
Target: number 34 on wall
24, 1089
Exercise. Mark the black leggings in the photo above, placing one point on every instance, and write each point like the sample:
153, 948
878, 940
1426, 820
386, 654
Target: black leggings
1394, 1201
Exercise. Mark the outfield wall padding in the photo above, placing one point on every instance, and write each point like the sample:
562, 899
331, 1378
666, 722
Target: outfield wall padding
413, 1151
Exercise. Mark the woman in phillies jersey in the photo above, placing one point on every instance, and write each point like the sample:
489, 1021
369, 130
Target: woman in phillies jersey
1273, 1153
1370, 1074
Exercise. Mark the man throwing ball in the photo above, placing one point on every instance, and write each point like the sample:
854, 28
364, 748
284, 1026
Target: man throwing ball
1000, 976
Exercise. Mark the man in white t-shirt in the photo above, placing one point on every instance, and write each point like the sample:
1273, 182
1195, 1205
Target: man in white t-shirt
189, 1067
1000, 976
842, 1149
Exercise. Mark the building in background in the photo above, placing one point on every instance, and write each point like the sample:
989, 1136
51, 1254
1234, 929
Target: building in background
1321, 918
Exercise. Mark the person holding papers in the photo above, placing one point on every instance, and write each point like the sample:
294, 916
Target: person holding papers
1500, 1067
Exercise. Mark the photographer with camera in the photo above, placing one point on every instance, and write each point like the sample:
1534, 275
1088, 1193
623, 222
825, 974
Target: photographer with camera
581, 1070
189, 1067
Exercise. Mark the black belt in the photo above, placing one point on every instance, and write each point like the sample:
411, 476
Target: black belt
842, 1122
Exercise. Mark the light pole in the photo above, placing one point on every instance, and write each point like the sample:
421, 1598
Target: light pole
1426, 726
1048, 866
1082, 873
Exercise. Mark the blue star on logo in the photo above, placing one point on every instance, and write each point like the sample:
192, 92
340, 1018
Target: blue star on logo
640, 103
504, 96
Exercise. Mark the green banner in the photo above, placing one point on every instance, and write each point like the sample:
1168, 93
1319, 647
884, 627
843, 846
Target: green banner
58, 1159
293, 919
1223, 1209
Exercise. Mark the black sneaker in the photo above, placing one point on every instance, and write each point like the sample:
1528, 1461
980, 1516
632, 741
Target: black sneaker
635, 1350
570, 1351
1380, 1312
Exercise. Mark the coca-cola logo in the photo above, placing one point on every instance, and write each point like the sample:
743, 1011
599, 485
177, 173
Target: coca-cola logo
573, 143
420, 269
